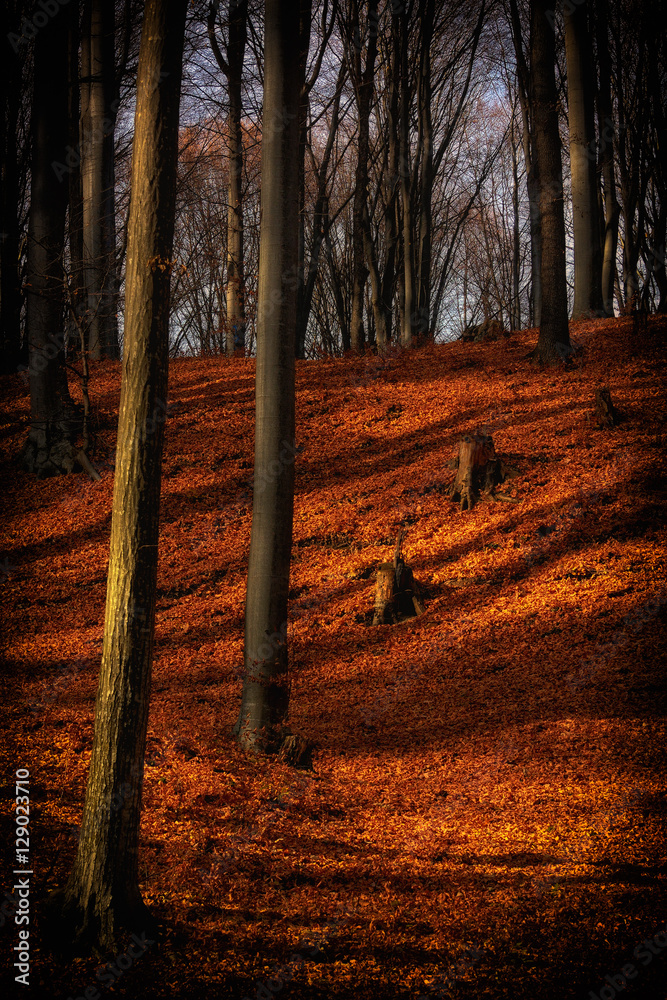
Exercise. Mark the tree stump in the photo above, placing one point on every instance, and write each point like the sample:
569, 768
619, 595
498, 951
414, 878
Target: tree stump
297, 751
479, 469
383, 612
605, 411
396, 591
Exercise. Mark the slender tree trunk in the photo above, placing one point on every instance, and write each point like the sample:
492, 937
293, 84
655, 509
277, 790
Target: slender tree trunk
102, 895
363, 85
391, 231
606, 128
554, 339
406, 187
47, 450
265, 688
10, 293
580, 95
96, 148
232, 68
423, 284
532, 174
515, 312
77, 297
236, 320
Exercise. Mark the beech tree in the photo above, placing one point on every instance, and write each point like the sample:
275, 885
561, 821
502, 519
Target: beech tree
102, 894
97, 176
265, 701
554, 339
48, 447
581, 116
232, 68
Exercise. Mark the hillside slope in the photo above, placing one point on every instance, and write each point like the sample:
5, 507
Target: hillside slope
490, 776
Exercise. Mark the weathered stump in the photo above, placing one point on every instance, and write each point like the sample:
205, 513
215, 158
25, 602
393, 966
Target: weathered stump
297, 751
396, 591
383, 612
479, 469
606, 413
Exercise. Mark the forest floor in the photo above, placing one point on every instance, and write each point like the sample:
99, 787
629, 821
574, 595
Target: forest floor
487, 813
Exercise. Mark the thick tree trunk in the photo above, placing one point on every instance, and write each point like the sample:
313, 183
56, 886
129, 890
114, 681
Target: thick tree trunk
554, 339
580, 94
102, 895
265, 688
47, 450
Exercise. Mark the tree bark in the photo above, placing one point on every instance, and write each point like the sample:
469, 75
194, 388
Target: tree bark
405, 171
532, 176
102, 895
363, 86
423, 278
97, 177
232, 67
10, 292
606, 128
265, 700
580, 95
47, 450
554, 338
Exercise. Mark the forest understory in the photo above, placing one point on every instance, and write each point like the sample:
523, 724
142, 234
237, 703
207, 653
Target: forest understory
486, 813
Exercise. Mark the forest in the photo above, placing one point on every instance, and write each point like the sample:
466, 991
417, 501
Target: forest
332, 556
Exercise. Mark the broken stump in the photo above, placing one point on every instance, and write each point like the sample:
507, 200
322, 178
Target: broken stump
606, 413
479, 469
396, 591
383, 612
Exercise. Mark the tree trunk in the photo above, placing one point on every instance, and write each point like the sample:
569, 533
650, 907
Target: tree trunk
423, 278
612, 209
11, 85
363, 86
97, 174
554, 339
102, 895
47, 450
265, 687
515, 310
580, 95
532, 177
408, 277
